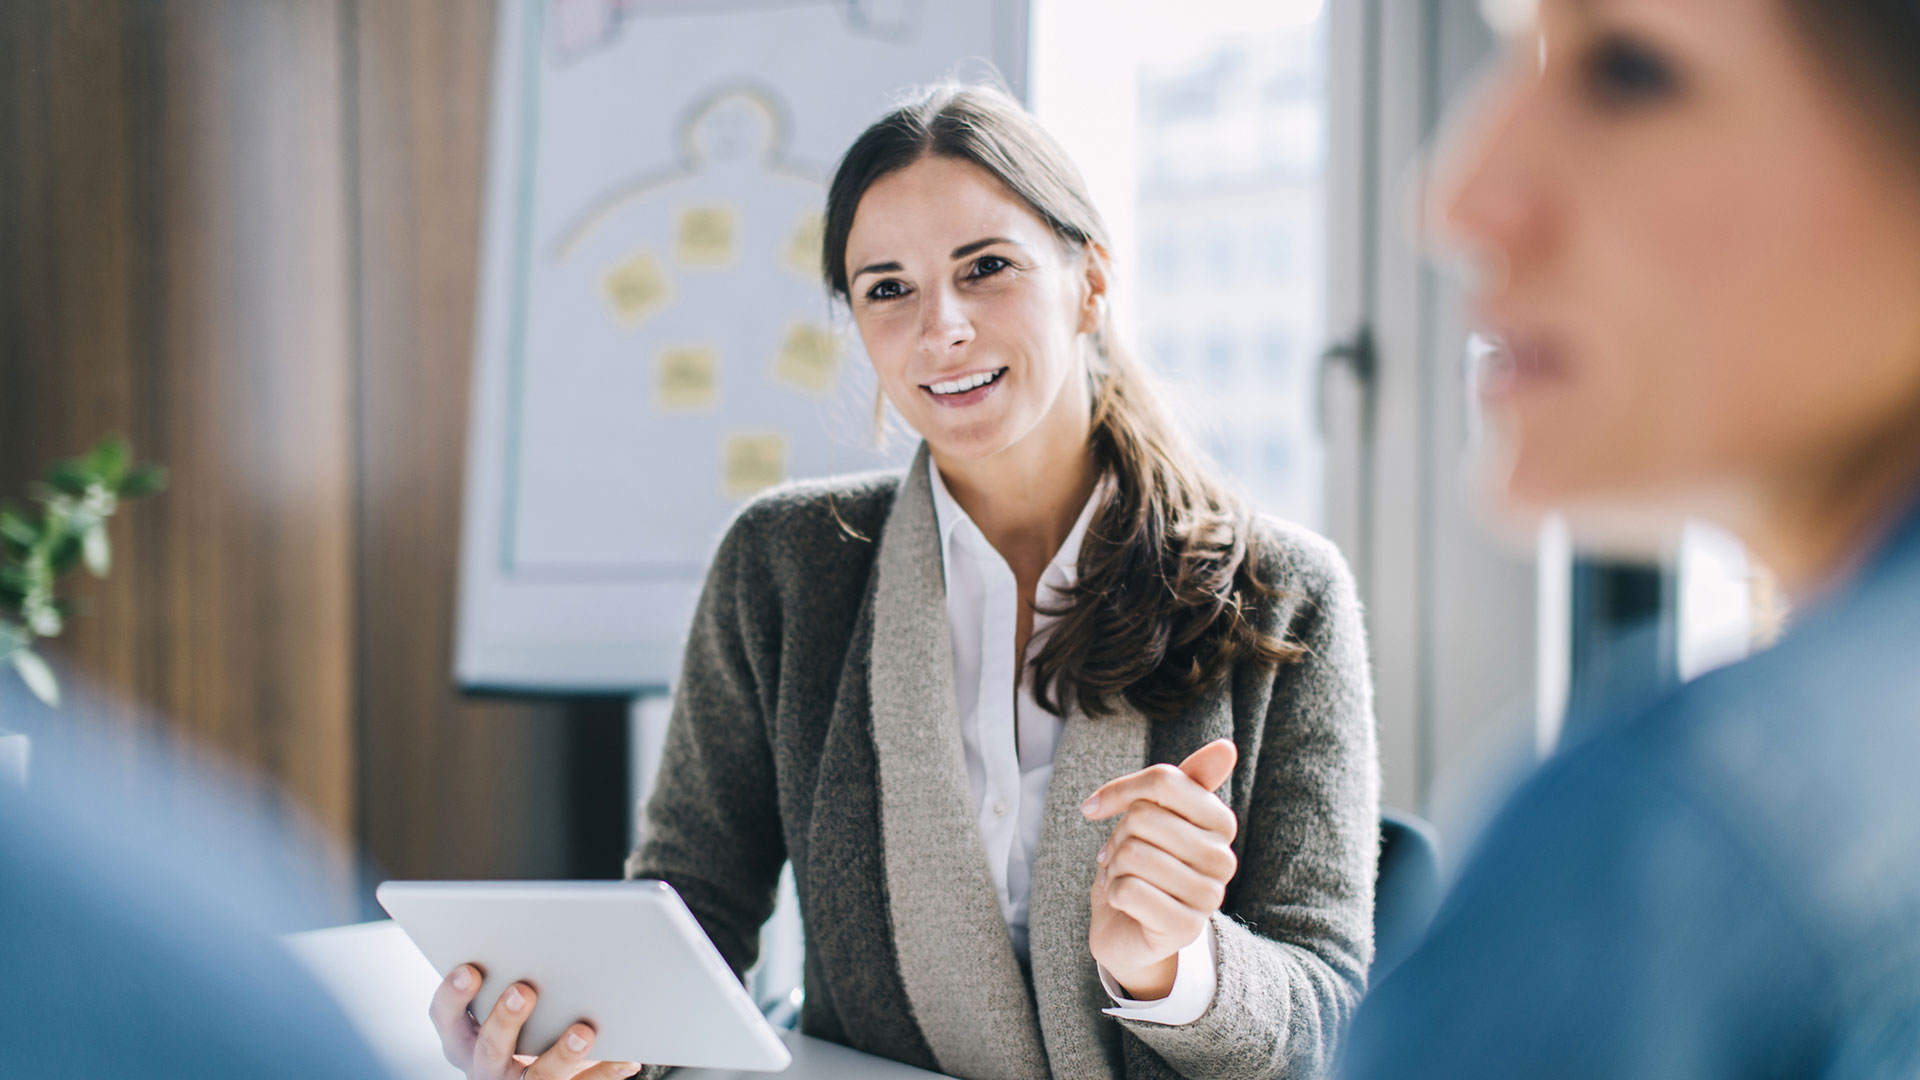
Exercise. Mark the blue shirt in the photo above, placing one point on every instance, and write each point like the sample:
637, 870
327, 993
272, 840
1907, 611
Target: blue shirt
134, 937
1724, 885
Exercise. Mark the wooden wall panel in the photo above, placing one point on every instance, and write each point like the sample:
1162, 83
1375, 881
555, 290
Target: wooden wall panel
172, 220
245, 234
451, 787
67, 301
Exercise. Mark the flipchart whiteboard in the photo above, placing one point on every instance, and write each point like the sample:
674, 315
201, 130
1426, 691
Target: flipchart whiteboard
653, 342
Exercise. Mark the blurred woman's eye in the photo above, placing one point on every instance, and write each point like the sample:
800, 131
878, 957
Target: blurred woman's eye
1623, 73
886, 290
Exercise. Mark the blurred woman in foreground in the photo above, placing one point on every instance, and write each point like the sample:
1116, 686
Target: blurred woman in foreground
1698, 225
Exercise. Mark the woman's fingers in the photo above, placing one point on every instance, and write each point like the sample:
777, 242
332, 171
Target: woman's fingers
562, 1060
1210, 853
493, 1048
448, 1010
567, 1059
1135, 857
1175, 789
1158, 913
611, 1070
1210, 765
486, 1050
1164, 786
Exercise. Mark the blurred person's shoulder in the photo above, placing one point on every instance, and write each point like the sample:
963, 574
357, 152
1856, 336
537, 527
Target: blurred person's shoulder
1798, 764
122, 966
1808, 751
1811, 744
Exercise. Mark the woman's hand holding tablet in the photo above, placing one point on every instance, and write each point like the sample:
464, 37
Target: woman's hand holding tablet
559, 969
484, 1050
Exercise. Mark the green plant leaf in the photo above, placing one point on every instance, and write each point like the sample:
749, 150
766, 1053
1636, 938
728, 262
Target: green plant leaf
16, 528
65, 554
70, 478
108, 461
143, 481
37, 675
12, 639
98, 552
44, 619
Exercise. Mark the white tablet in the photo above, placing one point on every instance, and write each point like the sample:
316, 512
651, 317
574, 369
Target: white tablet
625, 956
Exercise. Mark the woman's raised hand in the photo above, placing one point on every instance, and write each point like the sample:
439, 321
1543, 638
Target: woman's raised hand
484, 1051
1164, 869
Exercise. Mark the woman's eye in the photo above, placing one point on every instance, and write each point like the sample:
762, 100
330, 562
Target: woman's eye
1623, 72
886, 290
988, 265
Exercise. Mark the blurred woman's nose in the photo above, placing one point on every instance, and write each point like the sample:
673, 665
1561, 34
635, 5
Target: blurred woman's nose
944, 325
1487, 201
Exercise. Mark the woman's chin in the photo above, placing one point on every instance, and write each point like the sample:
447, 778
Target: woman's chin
1512, 493
975, 437
975, 441
1503, 511
1619, 522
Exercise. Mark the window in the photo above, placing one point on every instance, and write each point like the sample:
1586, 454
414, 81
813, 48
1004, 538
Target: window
1219, 371
1276, 358
1201, 130
1276, 252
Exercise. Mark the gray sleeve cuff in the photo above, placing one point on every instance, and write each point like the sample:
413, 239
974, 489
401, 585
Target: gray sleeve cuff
1276, 1013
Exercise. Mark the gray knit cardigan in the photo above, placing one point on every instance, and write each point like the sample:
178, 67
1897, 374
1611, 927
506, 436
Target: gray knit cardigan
815, 721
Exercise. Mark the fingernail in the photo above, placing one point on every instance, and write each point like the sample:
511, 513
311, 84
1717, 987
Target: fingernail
630, 1069
575, 1043
1102, 857
1091, 806
515, 1000
462, 978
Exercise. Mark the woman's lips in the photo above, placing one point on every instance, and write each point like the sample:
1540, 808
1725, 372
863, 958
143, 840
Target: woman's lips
971, 397
1514, 363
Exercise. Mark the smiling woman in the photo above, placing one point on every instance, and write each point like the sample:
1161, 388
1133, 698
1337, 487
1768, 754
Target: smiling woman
935, 692
998, 347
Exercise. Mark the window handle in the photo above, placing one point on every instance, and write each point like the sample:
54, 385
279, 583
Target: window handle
1356, 354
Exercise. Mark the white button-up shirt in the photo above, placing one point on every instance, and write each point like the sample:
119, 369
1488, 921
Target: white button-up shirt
1010, 740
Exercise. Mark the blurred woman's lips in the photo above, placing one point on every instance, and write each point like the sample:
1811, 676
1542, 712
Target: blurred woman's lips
1517, 362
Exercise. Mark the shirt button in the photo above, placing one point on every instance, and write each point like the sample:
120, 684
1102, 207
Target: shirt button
999, 808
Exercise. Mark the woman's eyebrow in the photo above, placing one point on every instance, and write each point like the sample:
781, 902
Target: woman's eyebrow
877, 268
965, 250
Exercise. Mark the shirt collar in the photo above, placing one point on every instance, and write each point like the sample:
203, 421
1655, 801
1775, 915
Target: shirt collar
1065, 565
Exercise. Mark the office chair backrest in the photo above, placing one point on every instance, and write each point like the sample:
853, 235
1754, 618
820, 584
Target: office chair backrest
1407, 892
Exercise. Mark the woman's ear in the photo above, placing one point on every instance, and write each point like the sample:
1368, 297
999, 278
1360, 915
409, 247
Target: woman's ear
1093, 287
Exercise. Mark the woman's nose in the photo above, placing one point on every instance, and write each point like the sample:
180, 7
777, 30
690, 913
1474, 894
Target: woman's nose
944, 324
1487, 201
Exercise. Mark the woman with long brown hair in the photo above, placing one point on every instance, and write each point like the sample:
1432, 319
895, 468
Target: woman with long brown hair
1698, 229
936, 692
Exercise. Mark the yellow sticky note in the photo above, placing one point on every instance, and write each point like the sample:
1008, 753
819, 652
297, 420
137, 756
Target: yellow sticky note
636, 288
803, 249
705, 236
809, 358
752, 463
688, 377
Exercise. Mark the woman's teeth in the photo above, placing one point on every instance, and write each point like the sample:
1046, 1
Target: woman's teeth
966, 383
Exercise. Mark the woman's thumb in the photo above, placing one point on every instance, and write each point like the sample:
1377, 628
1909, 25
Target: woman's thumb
1210, 765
